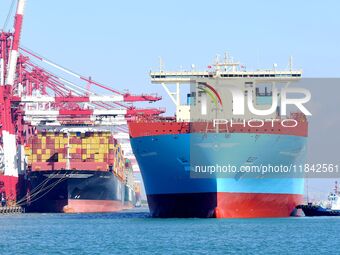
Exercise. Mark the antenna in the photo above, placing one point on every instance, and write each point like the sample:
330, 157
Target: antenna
226, 60
217, 61
274, 66
291, 63
161, 64
336, 188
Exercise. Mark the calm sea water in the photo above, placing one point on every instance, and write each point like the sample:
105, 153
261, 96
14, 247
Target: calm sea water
134, 232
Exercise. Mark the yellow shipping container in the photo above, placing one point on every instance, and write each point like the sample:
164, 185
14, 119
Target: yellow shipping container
96, 145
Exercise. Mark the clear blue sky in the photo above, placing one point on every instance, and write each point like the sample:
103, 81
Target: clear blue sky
118, 42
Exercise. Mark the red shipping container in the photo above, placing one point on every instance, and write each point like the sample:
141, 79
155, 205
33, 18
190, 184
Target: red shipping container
50, 146
36, 140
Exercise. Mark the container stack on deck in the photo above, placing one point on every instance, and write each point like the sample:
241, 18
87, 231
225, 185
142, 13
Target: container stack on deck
89, 150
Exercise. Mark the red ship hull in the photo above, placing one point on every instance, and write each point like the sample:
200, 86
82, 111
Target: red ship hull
255, 205
92, 206
223, 205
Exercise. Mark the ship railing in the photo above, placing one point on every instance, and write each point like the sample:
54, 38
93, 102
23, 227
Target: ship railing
294, 115
222, 128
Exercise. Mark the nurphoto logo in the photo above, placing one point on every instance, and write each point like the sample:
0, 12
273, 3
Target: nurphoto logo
239, 98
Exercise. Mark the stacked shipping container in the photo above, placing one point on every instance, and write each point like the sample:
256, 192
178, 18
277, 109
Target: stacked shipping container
97, 150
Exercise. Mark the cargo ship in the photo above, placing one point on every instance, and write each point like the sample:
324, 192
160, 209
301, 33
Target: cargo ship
169, 148
76, 171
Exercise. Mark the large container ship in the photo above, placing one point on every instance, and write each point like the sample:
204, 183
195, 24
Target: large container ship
167, 149
77, 170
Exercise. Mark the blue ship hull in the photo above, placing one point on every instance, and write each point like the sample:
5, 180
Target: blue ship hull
166, 160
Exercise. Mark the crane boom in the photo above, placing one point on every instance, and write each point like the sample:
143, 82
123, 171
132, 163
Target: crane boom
14, 53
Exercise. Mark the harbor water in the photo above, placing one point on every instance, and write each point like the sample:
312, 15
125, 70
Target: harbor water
134, 232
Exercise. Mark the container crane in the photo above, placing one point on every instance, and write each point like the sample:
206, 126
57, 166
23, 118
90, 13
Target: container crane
31, 97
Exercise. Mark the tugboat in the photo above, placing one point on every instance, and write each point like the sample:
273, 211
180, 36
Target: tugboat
331, 209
